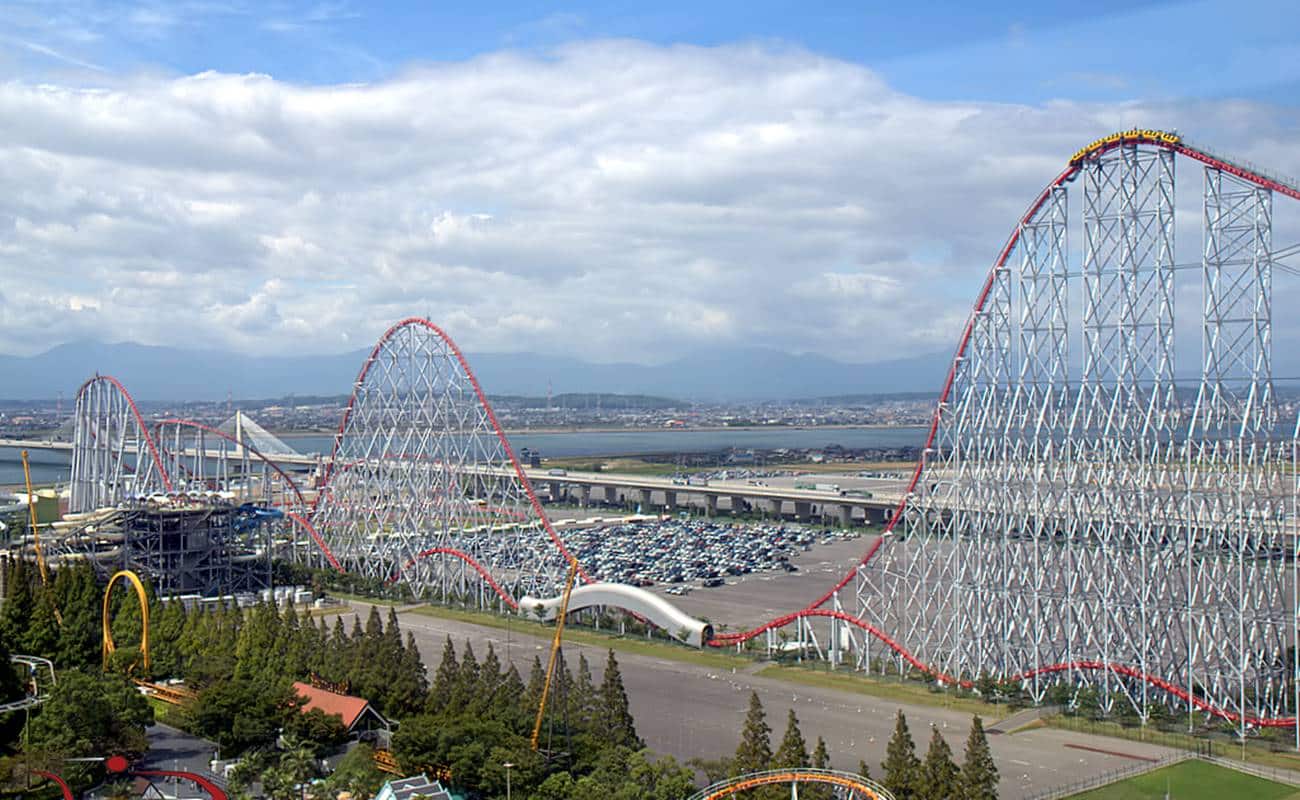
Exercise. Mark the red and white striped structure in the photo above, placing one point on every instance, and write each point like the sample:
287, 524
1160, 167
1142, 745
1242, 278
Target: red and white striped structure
423, 486
1086, 512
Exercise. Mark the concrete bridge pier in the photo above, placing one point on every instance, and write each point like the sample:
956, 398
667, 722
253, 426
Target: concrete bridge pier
557, 491
711, 505
774, 507
643, 497
737, 505
611, 495
846, 515
585, 496
670, 501
803, 510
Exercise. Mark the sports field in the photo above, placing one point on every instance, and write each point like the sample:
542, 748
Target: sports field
1192, 780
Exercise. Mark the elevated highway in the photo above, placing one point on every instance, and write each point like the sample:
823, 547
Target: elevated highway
647, 491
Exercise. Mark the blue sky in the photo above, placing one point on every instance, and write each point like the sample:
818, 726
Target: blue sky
1024, 52
588, 180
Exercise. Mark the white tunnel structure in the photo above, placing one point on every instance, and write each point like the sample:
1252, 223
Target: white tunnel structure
651, 607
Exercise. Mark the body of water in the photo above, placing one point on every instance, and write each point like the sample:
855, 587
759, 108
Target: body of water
50, 466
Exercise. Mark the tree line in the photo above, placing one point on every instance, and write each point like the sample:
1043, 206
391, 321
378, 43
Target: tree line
480, 714
937, 777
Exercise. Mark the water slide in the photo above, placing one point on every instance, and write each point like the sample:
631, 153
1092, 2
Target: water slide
651, 607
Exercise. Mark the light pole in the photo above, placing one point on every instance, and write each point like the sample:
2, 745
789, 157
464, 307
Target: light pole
507, 765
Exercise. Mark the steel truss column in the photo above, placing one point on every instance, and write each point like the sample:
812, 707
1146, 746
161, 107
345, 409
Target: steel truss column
419, 466
1240, 481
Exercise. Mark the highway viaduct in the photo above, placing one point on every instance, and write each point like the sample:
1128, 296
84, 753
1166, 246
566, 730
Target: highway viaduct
669, 494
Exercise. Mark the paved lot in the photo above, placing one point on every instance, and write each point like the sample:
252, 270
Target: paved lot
686, 710
749, 600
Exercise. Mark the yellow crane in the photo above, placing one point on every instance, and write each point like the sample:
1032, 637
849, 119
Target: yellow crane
555, 648
36, 536
31, 507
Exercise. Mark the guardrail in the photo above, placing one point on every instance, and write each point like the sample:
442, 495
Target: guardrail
1107, 778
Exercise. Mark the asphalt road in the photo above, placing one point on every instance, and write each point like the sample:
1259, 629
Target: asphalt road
686, 710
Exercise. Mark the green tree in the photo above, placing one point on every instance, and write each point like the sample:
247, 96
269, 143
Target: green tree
20, 602
617, 727
793, 751
356, 773
940, 778
754, 753
77, 596
901, 766
89, 714
445, 680
585, 699
979, 775
43, 629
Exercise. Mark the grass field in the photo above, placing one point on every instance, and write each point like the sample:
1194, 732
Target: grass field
901, 691
1192, 780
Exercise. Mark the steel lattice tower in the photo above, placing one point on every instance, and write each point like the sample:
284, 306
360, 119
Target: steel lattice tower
113, 456
1078, 519
423, 486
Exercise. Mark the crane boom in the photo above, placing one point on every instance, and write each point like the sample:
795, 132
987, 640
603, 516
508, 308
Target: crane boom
31, 507
555, 649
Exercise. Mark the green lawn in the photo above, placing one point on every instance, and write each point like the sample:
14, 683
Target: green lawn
1192, 780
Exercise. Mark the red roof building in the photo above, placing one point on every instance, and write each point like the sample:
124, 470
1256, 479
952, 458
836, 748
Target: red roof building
355, 712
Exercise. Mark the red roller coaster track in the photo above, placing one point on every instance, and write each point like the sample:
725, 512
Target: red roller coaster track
139, 421
814, 609
468, 559
483, 401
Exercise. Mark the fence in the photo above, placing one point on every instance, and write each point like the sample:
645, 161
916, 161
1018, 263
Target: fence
1107, 778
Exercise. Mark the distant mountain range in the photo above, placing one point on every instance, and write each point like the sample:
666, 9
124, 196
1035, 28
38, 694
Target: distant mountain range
165, 373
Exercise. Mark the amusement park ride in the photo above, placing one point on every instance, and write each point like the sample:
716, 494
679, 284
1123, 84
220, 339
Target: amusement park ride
1084, 514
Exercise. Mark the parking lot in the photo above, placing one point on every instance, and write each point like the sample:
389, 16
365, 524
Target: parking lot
687, 553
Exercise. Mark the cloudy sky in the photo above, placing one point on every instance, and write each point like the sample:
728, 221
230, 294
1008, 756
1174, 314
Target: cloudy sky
578, 180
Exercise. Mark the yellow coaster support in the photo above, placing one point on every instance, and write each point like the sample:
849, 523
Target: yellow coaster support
109, 647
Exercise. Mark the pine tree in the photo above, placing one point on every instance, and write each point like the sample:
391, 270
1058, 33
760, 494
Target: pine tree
821, 757
444, 681
618, 727
901, 766
507, 705
408, 686
78, 600
536, 682
584, 692
940, 777
864, 770
467, 682
43, 630
489, 681
793, 751
754, 753
979, 775
16, 611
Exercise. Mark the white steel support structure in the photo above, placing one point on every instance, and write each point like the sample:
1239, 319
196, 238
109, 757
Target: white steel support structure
1083, 525
113, 458
420, 465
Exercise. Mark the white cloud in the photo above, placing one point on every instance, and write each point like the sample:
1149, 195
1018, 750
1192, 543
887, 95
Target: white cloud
611, 200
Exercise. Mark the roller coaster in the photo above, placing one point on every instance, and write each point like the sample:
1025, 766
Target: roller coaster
1083, 514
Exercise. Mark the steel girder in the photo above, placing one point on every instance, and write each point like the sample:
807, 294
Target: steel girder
420, 465
1079, 520
113, 457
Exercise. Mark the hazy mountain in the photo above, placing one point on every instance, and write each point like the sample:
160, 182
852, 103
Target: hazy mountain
164, 373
